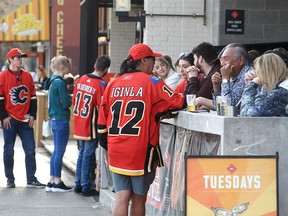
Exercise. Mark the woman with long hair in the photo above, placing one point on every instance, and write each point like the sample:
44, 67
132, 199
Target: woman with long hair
270, 73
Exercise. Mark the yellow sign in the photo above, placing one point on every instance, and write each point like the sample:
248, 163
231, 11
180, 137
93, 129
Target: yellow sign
30, 22
226, 186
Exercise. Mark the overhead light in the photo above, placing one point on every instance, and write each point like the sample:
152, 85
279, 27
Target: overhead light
122, 5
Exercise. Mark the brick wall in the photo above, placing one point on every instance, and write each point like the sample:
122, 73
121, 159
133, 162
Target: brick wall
121, 39
173, 35
266, 21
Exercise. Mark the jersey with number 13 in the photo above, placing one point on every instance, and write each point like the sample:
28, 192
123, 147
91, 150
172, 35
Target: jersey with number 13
86, 99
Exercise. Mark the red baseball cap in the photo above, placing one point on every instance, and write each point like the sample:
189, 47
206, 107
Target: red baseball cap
15, 52
139, 51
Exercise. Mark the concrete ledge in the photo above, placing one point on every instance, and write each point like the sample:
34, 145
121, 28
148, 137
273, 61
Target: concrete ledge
107, 198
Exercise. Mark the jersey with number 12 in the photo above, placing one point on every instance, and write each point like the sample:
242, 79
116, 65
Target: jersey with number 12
129, 106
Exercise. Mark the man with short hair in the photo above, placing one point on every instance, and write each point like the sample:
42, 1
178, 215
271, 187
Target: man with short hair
18, 108
206, 61
230, 83
86, 99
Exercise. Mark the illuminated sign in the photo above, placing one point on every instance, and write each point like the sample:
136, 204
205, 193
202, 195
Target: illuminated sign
122, 5
27, 25
29, 22
231, 185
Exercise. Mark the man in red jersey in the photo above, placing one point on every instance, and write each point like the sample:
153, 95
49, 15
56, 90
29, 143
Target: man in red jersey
18, 108
86, 99
128, 116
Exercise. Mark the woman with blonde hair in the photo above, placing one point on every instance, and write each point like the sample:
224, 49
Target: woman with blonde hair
59, 102
270, 73
162, 69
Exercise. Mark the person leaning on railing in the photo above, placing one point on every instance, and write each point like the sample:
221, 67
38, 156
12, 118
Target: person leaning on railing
270, 73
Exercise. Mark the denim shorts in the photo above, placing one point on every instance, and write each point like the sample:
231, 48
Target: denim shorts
137, 184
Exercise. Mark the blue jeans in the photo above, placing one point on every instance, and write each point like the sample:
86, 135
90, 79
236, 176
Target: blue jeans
83, 167
26, 134
60, 130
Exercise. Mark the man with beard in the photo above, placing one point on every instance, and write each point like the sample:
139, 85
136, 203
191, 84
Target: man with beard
205, 61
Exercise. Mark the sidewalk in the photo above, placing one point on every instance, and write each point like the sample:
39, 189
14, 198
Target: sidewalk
29, 201
107, 197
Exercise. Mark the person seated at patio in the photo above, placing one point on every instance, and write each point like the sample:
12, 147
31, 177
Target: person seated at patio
162, 69
230, 83
185, 61
271, 72
206, 61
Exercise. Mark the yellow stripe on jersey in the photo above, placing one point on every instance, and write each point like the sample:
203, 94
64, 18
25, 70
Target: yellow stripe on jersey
161, 163
81, 137
102, 131
26, 120
150, 160
126, 172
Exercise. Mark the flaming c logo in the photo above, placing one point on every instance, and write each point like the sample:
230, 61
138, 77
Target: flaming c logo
19, 95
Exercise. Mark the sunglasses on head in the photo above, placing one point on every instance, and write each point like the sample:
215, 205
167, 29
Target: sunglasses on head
185, 55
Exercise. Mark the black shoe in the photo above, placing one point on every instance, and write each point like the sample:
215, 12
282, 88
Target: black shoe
10, 185
90, 193
60, 187
48, 187
78, 190
35, 184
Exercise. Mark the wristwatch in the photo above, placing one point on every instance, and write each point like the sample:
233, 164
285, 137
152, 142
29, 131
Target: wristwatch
224, 81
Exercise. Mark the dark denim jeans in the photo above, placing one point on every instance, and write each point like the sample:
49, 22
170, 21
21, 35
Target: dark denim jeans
83, 167
26, 134
60, 130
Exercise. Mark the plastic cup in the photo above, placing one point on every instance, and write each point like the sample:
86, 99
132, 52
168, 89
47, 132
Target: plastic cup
190, 98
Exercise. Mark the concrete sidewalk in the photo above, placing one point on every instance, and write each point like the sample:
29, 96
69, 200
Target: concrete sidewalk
29, 201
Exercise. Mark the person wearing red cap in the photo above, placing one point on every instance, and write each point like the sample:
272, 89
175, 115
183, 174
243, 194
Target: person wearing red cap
18, 108
128, 126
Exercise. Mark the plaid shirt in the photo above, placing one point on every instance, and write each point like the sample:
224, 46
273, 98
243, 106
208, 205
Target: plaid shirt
233, 90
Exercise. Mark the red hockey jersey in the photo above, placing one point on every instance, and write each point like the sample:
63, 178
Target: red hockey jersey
18, 92
127, 113
86, 99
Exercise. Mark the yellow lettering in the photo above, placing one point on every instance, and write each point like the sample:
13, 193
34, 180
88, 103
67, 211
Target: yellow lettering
59, 42
60, 29
60, 2
60, 15
59, 52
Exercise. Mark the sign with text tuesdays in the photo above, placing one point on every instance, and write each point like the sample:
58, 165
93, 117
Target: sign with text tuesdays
231, 186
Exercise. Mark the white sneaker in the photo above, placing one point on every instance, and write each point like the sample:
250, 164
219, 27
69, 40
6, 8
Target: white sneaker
60, 187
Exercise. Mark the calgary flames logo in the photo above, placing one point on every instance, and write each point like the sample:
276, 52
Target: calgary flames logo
19, 95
